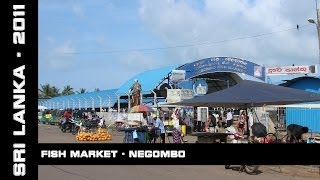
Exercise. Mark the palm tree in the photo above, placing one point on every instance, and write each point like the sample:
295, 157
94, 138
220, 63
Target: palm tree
48, 91
45, 91
82, 90
67, 90
55, 91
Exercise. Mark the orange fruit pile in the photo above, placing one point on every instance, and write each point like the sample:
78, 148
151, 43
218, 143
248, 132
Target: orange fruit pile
102, 135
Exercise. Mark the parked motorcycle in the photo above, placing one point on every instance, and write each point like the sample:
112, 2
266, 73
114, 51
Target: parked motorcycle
88, 124
76, 127
235, 137
68, 126
249, 169
102, 123
239, 138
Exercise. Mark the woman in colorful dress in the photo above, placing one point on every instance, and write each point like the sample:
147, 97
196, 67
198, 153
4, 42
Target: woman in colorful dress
176, 132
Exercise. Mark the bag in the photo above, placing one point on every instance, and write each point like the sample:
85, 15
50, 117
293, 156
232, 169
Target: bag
135, 134
259, 130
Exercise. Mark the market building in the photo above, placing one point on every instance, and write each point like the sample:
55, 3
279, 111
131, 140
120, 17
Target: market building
202, 77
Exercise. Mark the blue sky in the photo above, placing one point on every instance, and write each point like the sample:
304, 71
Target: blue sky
76, 37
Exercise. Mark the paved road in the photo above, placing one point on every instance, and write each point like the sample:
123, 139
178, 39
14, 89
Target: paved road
52, 134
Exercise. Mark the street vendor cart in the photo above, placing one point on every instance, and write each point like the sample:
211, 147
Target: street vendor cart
134, 135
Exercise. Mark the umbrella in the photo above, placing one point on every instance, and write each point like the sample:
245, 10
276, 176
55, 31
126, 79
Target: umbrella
42, 107
141, 109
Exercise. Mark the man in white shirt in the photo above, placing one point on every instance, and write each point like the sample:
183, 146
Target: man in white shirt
160, 126
250, 115
150, 119
229, 118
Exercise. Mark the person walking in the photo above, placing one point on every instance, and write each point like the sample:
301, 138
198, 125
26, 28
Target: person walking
229, 118
242, 122
160, 129
176, 133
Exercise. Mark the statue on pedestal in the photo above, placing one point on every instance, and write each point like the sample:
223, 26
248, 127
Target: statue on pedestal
135, 89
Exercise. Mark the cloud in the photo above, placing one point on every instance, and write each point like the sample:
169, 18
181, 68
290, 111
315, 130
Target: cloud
77, 10
50, 40
101, 41
60, 57
180, 23
137, 62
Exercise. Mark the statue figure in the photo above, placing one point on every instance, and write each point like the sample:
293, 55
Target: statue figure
136, 91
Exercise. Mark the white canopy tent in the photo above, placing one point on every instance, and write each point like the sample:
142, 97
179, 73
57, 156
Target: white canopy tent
42, 108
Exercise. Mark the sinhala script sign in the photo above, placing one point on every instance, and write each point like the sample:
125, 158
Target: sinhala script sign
177, 95
223, 64
304, 69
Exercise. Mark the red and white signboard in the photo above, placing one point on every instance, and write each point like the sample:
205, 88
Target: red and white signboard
305, 69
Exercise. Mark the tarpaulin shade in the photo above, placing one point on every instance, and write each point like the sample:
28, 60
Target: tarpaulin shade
252, 94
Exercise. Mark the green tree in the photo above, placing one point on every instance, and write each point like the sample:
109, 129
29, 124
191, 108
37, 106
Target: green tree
55, 91
45, 91
81, 91
96, 89
67, 90
48, 91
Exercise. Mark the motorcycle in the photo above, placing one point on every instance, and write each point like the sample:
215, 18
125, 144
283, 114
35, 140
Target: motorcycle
249, 169
235, 137
67, 126
76, 127
102, 123
239, 138
88, 124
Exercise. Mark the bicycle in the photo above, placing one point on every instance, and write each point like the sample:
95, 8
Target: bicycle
274, 138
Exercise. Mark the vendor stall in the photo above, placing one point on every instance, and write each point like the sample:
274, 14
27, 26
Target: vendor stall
134, 135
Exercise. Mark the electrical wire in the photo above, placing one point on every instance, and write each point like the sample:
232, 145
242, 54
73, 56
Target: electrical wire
185, 45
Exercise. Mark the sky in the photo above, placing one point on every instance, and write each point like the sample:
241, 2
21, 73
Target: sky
103, 43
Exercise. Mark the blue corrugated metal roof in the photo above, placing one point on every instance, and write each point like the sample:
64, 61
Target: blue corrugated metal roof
148, 80
84, 100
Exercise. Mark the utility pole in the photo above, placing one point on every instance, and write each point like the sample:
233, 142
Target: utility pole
317, 23
318, 27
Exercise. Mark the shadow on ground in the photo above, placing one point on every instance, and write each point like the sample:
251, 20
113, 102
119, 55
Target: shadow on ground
237, 168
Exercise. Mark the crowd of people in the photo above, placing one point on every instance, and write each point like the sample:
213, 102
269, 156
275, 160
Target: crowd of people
215, 121
224, 119
155, 126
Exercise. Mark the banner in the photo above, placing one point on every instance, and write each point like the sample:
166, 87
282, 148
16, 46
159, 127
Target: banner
304, 69
177, 95
223, 64
178, 75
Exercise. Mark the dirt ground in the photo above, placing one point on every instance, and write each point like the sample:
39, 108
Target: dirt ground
52, 134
